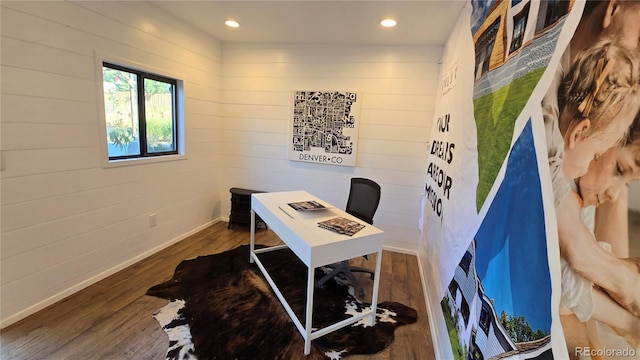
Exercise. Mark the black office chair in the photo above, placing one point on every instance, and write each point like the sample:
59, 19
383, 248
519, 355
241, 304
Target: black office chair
364, 197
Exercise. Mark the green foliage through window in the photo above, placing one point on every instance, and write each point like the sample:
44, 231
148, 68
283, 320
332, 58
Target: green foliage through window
140, 113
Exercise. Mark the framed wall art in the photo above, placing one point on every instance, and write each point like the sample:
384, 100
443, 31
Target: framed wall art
324, 127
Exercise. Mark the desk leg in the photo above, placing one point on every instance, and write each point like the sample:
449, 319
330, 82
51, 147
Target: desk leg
309, 315
376, 283
253, 235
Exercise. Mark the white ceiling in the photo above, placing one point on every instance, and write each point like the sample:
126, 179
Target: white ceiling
420, 22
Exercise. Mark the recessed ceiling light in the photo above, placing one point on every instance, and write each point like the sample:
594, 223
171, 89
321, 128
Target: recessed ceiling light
232, 23
388, 22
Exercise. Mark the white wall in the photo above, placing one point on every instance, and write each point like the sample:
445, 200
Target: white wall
67, 222
397, 86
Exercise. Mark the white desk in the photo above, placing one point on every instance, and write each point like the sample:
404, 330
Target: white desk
315, 247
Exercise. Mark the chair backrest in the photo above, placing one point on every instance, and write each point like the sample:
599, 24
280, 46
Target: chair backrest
364, 197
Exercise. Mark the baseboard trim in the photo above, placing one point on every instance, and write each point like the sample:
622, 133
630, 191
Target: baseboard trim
94, 279
435, 334
400, 250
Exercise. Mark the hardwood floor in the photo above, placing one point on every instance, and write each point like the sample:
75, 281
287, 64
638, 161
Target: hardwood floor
112, 319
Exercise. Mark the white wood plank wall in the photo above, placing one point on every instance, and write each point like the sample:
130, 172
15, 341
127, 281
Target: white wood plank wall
65, 221
397, 86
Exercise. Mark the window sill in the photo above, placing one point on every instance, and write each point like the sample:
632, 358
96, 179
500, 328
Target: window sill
142, 161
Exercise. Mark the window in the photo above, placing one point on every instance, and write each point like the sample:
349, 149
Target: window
485, 318
474, 349
465, 263
453, 288
555, 10
519, 26
484, 48
464, 310
141, 113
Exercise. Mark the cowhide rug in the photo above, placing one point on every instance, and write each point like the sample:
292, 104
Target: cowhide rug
221, 307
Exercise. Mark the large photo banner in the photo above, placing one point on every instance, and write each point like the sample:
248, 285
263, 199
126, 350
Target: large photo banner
535, 137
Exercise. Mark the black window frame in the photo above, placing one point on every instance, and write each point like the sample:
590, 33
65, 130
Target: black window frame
485, 318
141, 76
516, 38
465, 262
465, 311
